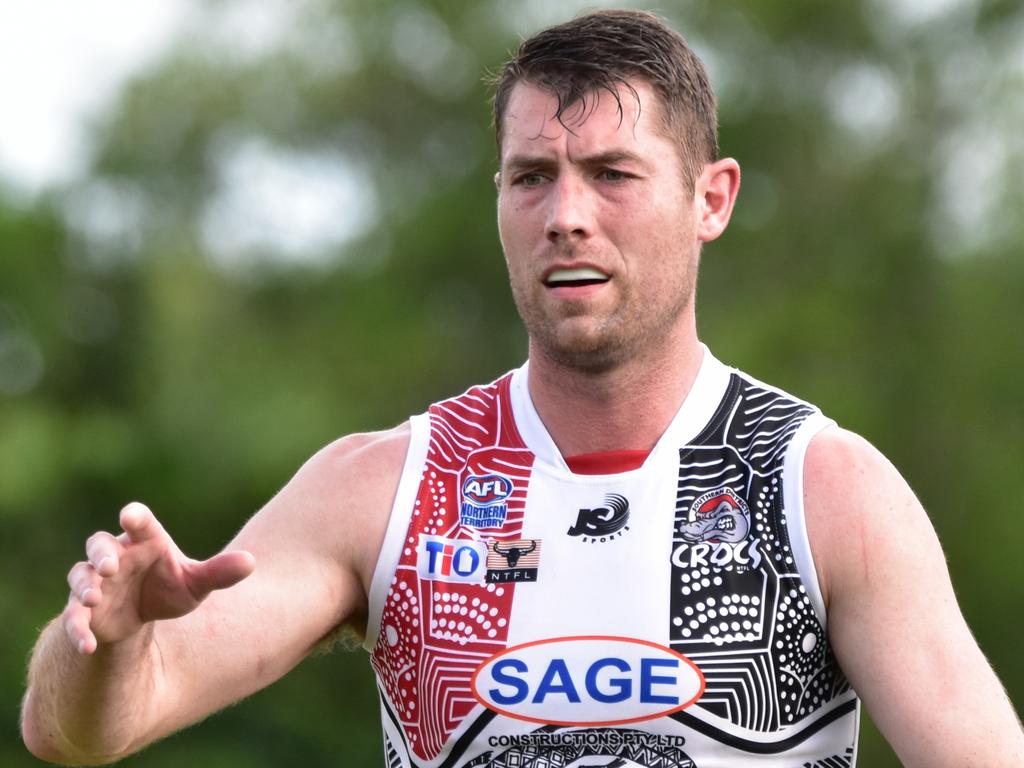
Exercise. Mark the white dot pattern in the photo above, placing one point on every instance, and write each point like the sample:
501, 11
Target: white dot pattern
731, 596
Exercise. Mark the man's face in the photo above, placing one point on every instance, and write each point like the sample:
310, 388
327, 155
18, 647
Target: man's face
598, 226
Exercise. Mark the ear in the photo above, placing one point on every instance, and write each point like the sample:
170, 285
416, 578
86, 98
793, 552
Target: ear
716, 191
497, 180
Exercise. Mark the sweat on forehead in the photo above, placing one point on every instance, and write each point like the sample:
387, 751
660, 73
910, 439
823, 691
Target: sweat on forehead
574, 113
535, 113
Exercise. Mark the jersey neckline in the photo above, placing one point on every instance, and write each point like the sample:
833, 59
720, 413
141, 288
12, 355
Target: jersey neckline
694, 413
606, 462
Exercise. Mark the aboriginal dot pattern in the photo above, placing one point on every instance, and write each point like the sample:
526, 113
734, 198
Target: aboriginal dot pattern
730, 595
434, 633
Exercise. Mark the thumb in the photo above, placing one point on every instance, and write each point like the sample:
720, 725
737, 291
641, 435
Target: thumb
219, 572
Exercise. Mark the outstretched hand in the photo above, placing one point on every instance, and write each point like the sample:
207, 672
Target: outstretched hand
138, 577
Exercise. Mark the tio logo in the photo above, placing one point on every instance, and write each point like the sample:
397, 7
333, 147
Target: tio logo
456, 560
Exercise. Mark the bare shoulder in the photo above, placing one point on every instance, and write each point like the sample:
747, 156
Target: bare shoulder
839, 461
353, 481
364, 458
325, 527
855, 500
350, 478
893, 619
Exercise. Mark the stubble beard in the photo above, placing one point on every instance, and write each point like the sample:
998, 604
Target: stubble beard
625, 334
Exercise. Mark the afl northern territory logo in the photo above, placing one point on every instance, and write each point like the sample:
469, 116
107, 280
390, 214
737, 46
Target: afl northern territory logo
604, 522
484, 501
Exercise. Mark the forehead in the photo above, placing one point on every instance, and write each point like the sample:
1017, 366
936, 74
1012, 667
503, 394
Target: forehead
598, 123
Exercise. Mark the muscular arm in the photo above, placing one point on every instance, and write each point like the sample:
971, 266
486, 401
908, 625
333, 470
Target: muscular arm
893, 618
95, 696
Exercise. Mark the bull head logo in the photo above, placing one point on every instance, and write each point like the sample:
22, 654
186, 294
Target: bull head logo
512, 554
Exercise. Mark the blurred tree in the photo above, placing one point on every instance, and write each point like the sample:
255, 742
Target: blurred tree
286, 235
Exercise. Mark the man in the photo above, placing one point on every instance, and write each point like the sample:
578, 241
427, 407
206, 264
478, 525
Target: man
624, 553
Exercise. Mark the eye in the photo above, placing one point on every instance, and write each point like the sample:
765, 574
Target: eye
529, 180
613, 175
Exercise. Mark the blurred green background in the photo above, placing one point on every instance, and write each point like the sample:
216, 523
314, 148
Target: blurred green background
287, 236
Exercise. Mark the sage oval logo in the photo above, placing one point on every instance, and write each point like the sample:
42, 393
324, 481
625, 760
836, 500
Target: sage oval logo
587, 680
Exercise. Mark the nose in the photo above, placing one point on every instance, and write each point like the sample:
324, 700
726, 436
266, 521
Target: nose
570, 210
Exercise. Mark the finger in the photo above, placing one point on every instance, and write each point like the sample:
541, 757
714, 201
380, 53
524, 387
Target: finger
140, 523
76, 626
104, 552
85, 584
219, 572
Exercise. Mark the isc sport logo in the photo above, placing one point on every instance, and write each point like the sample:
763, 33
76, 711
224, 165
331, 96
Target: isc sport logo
483, 501
589, 680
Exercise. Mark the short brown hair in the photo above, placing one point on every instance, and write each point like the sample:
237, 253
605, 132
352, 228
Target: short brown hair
602, 50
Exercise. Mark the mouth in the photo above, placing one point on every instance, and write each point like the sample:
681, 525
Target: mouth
576, 277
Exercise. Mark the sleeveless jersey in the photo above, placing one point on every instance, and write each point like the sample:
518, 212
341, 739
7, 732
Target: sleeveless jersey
522, 616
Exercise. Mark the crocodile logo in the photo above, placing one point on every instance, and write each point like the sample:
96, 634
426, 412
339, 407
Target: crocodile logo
718, 516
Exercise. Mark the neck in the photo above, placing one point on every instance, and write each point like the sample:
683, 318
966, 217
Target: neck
627, 407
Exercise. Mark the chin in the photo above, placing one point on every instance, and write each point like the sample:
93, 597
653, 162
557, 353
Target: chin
585, 344
591, 356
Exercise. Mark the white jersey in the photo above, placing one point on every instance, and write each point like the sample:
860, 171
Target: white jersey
525, 616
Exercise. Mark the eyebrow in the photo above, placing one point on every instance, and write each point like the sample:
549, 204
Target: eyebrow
611, 157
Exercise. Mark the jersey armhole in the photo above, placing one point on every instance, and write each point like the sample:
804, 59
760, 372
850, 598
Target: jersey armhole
398, 525
793, 501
